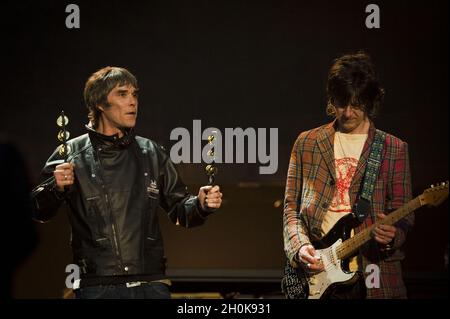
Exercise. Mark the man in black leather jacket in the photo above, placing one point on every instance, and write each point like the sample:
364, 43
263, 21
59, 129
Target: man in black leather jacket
113, 182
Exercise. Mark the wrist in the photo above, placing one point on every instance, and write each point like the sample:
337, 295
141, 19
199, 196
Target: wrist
202, 212
59, 193
297, 255
389, 246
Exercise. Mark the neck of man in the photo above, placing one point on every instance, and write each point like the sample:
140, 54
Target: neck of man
106, 129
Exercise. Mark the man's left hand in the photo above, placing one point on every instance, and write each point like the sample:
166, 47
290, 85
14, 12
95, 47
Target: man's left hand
384, 234
210, 197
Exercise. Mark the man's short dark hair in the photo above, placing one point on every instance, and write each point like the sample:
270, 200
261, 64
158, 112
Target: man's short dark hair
100, 84
352, 80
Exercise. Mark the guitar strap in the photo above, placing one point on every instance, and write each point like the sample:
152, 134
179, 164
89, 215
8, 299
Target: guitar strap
361, 208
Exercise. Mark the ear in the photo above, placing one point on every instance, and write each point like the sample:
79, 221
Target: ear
100, 108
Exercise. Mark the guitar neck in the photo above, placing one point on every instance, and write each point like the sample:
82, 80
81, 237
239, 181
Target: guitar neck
348, 247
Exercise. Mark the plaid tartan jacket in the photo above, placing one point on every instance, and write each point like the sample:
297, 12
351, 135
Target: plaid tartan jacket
310, 187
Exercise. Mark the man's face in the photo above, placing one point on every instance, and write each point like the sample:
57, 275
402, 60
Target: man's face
350, 119
122, 110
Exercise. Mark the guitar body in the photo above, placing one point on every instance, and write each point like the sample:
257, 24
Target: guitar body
298, 283
336, 273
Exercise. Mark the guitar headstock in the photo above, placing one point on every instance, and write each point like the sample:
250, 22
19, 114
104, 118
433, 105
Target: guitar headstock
435, 195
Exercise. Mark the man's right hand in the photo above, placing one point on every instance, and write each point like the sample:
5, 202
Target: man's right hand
309, 258
64, 175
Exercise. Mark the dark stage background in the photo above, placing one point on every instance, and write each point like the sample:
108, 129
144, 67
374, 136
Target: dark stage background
260, 64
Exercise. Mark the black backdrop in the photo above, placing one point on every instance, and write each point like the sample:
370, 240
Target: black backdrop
257, 64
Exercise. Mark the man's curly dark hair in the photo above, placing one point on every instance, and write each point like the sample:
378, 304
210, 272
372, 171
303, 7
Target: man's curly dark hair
352, 80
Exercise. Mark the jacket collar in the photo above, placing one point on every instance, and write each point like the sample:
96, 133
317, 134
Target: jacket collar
111, 140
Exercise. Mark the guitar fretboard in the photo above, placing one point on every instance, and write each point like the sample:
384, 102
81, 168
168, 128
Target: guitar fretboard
348, 247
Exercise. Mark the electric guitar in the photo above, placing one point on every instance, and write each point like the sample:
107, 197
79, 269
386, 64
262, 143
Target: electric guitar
336, 247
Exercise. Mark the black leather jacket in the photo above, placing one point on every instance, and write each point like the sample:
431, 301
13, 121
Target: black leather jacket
119, 183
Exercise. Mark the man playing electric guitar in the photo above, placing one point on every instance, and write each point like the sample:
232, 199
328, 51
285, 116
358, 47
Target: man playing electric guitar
327, 170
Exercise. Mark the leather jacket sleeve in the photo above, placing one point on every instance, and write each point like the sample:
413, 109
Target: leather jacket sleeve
46, 200
182, 207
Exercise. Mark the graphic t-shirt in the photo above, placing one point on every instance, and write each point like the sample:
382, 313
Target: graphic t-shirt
347, 151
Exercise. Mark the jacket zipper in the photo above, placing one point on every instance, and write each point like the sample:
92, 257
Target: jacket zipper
113, 222
116, 244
